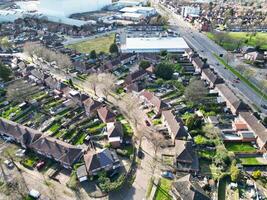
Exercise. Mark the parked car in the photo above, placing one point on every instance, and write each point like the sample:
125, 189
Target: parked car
40, 165
147, 123
168, 175
9, 163
34, 193
20, 152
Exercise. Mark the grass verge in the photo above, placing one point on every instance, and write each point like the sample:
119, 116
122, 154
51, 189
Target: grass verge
242, 78
162, 192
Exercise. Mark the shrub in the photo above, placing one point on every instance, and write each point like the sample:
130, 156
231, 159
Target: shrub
256, 174
164, 71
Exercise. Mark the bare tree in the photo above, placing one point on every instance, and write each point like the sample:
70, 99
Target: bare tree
20, 91
91, 82
33, 48
229, 57
211, 131
106, 83
196, 91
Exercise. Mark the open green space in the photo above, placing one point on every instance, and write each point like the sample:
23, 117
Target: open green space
242, 78
100, 44
162, 192
231, 40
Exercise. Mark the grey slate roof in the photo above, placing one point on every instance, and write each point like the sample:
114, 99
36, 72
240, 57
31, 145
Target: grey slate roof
24, 135
186, 188
175, 124
57, 149
115, 130
96, 161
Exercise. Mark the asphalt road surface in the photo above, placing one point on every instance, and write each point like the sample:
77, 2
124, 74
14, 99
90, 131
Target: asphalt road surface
205, 47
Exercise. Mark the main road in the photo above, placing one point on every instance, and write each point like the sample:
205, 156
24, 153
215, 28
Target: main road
207, 48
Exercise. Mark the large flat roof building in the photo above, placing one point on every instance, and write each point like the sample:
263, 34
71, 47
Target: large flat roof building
154, 45
67, 7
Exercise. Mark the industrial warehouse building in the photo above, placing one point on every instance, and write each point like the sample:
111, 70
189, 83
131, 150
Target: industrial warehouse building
65, 8
154, 45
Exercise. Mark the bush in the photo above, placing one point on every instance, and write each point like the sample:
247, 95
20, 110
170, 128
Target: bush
164, 71
144, 64
122, 152
106, 185
256, 174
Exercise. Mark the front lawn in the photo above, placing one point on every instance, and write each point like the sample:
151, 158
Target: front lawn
151, 114
156, 122
162, 192
100, 44
240, 147
127, 129
30, 160
250, 161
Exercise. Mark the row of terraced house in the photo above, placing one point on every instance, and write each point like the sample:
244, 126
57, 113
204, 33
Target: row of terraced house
252, 129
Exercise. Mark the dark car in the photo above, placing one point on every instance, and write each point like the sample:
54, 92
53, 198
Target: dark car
147, 123
140, 154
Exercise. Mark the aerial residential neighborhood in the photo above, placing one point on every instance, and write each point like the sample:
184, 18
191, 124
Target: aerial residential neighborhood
136, 99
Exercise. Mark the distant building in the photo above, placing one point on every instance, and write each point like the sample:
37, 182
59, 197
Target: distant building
67, 7
154, 45
190, 11
145, 11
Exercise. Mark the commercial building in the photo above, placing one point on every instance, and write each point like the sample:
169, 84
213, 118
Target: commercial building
190, 11
146, 11
68, 7
133, 16
154, 45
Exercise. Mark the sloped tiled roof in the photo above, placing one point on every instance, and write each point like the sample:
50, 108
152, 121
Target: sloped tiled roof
188, 189
95, 160
104, 114
59, 150
21, 133
175, 124
231, 97
114, 129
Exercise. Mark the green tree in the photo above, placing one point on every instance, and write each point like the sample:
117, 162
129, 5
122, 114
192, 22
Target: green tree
256, 174
113, 49
163, 53
193, 122
235, 173
144, 64
164, 71
93, 54
5, 73
221, 157
200, 140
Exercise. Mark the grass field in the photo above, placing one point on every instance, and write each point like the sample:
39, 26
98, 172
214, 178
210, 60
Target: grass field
239, 147
100, 44
231, 39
